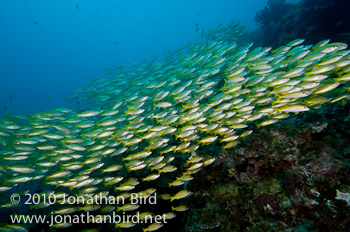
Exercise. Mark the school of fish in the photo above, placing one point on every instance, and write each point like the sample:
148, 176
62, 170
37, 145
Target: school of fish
152, 124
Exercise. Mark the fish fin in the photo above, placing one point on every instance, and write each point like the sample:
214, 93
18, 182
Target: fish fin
279, 97
249, 68
269, 93
5, 182
343, 102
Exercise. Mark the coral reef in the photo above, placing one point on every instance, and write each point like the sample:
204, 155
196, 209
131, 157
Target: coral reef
282, 178
313, 20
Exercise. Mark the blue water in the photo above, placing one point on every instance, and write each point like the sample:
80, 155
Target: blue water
49, 48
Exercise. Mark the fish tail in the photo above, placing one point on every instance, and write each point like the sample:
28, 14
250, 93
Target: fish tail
279, 97
343, 102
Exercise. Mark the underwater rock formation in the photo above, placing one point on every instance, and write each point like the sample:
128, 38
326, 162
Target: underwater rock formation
273, 12
313, 20
282, 178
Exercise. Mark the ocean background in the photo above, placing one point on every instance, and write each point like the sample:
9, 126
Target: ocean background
50, 48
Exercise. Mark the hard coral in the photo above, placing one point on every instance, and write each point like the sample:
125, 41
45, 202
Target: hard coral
281, 178
313, 20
